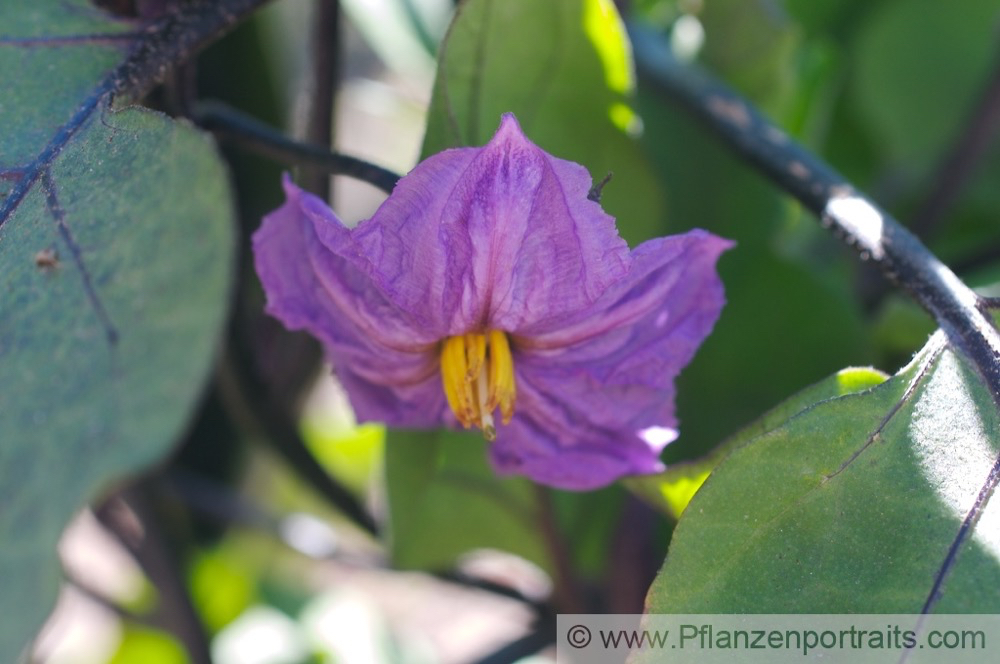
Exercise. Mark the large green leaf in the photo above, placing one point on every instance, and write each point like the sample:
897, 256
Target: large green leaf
445, 500
672, 490
115, 250
564, 68
851, 506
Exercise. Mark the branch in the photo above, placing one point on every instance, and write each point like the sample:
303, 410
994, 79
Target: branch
542, 635
174, 39
229, 123
160, 46
150, 547
322, 88
852, 216
254, 407
567, 595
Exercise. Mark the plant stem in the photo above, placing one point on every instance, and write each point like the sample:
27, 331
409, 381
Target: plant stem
321, 92
542, 635
566, 595
173, 39
852, 216
229, 123
151, 549
257, 410
156, 48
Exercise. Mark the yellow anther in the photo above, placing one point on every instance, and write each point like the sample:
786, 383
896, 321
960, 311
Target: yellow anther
475, 351
477, 371
502, 388
454, 375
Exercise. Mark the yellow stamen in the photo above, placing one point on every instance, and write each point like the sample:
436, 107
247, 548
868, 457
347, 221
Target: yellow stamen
502, 388
477, 371
475, 348
453, 375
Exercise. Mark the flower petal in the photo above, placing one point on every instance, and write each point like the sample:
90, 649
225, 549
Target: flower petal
497, 237
551, 441
599, 385
387, 364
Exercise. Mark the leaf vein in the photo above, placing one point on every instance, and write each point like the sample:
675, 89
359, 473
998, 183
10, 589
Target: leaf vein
59, 215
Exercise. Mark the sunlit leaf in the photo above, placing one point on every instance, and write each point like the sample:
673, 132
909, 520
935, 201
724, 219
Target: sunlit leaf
115, 250
673, 489
851, 506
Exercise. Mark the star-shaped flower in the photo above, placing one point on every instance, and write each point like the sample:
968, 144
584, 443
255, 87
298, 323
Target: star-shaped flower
489, 291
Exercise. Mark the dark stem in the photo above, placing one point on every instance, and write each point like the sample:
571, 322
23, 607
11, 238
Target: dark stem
180, 89
542, 635
460, 578
230, 124
566, 594
160, 46
634, 558
151, 549
852, 216
256, 409
206, 496
173, 39
318, 126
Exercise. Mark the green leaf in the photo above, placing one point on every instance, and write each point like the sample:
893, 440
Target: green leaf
564, 68
754, 45
827, 16
851, 506
672, 490
445, 500
115, 252
917, 103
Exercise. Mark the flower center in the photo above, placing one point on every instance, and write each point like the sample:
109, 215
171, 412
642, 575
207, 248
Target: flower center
478, 375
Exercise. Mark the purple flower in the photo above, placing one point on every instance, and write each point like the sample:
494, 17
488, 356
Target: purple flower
489, 291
